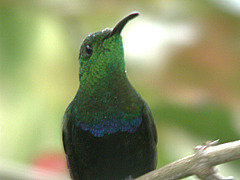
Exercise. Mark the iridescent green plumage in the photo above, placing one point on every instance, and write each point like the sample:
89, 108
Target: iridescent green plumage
107, 116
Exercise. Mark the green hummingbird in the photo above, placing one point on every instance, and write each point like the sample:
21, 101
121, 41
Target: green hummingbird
108, 129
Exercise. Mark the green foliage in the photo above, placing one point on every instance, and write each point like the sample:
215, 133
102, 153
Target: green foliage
210, 121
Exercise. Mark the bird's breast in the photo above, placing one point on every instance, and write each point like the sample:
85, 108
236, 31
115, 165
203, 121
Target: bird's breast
107, 126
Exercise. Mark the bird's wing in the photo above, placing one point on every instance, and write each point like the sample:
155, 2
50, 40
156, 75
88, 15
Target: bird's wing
66, 135
147, 116
66, 118
68, 142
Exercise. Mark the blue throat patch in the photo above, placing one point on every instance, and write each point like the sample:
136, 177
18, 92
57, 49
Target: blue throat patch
111, 126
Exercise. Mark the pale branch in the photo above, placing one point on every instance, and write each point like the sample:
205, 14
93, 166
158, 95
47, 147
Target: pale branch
202, 163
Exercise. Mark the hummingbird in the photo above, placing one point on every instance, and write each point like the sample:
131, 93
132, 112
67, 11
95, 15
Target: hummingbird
108, 129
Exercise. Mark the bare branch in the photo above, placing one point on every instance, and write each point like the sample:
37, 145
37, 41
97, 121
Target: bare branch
202, 163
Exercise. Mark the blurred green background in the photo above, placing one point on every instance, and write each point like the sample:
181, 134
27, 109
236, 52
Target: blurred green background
183, 57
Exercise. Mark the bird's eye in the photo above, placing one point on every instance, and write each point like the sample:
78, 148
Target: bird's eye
89, 50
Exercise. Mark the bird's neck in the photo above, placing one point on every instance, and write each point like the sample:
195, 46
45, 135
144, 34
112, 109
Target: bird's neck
113, 90
97, 86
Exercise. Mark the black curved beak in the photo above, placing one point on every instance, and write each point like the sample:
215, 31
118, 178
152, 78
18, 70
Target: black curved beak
118, 28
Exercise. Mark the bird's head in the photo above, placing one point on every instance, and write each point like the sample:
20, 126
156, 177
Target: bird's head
101, 54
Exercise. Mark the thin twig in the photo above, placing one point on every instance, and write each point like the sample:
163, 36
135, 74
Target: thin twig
202, 163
